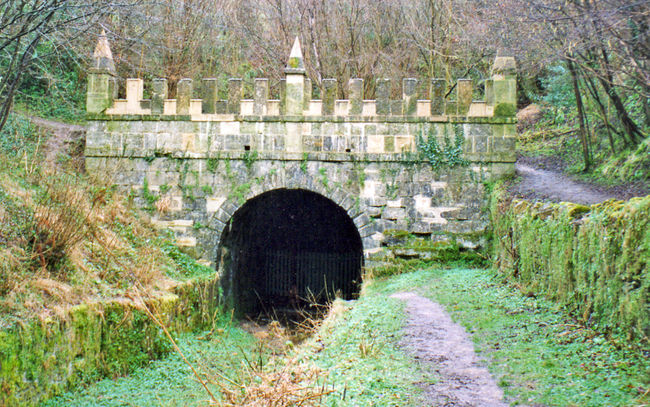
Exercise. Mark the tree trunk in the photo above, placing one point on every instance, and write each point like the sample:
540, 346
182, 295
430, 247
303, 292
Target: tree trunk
593, 90
646, 104
584, 137
631, 129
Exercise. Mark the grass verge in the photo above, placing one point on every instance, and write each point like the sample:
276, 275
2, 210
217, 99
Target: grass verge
358, 346
170, 382
538, 354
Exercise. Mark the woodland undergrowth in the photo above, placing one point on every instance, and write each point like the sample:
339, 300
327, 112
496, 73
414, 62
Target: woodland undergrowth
66, 238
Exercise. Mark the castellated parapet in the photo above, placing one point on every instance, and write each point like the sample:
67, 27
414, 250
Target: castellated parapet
295, 105
205, 157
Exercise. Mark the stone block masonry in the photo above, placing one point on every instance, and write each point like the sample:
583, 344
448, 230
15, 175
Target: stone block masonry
195, 162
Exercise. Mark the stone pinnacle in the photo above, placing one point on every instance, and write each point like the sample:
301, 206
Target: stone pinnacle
296, 63
103, 57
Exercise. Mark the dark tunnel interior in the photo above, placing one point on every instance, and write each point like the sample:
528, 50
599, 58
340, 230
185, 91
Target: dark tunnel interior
287, 248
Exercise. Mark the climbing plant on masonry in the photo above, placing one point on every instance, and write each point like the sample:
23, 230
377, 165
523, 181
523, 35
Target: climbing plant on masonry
449, 155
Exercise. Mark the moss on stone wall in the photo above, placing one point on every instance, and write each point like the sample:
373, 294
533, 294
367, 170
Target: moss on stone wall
505, 110
594, 260
402, 249
43, 358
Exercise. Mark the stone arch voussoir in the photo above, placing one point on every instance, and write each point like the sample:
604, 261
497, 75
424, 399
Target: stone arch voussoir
281, 179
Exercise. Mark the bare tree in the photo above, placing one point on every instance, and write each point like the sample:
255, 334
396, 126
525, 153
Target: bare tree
25, 24
604, 46
344, 39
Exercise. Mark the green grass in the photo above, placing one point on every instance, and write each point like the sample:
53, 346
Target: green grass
169, 382
184, 267
537, 354
358, 347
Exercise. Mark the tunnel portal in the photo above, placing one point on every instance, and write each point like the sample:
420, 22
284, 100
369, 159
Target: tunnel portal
286, 248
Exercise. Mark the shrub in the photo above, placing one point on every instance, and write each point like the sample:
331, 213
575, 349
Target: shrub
17, 137
61, 220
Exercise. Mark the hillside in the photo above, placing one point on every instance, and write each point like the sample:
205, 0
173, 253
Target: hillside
66, 239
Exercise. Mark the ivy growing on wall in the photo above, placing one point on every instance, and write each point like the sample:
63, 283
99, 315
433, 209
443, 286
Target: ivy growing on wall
149, 198
303, 163
249, 158
323, 178
213, 163
450, 154
239, 192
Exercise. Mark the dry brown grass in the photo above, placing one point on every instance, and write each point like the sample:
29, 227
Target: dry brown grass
70, 233
279, 382
284, 381
528, 117
163, 205
63, 292
279, 386
61, 220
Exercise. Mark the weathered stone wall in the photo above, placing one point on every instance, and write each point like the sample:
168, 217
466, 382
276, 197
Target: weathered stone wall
40, 359
198, 177
591, 259
195, 162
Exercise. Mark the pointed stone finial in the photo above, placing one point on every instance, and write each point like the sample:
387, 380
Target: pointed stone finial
102, 81
103, 57
296, 63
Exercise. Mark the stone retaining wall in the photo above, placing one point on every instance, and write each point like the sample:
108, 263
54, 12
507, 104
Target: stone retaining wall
42, 358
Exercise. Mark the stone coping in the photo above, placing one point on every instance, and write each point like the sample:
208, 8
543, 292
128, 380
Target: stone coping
483, 158
303, 119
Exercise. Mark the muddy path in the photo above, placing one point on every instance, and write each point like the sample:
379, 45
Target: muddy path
444, 347
549, 185
61, 138
543, 179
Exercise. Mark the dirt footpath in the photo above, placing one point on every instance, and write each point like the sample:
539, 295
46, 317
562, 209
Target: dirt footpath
444, 347
557, 187
60, 138
542, 178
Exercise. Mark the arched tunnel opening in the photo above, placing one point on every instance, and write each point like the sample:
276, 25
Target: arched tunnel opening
289, 249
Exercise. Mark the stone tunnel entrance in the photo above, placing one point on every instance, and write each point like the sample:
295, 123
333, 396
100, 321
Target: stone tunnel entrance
287, 248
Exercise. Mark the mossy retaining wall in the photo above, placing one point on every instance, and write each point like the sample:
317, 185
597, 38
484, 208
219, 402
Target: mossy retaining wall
42, 358
594, 260
401, 251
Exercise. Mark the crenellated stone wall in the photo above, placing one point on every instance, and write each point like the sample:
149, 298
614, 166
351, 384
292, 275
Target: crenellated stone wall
194, 162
